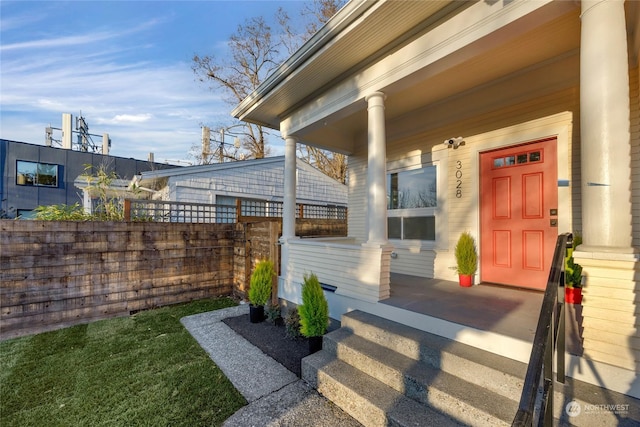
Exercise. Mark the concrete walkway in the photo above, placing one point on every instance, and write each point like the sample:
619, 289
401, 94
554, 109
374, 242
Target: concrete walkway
276, 396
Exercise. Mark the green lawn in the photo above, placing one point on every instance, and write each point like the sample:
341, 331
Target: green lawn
142, 370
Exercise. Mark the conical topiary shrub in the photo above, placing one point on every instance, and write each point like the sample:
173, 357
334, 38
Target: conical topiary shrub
314, 312
466, 258
260, 289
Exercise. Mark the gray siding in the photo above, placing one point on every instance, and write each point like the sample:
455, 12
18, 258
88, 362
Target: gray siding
259, 180
70, 163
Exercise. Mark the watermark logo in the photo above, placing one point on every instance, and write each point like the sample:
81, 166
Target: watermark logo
573, 408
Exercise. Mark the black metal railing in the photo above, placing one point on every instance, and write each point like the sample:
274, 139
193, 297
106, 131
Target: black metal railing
549, 340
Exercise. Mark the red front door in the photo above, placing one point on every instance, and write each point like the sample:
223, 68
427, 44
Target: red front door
518, 214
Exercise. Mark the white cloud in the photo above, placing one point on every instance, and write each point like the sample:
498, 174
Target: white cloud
115, 79
134, 102
77, 39
129, 118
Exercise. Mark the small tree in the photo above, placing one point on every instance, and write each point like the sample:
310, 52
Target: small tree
109, 208
466, 254
260, 283
314, 311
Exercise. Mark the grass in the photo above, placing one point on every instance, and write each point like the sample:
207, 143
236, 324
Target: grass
142, 370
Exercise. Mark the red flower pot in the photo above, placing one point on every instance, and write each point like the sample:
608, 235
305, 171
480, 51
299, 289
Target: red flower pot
573, 295
466, 280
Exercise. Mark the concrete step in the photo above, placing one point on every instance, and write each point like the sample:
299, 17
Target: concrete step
366, 399
421, 382
385, 373
495, 373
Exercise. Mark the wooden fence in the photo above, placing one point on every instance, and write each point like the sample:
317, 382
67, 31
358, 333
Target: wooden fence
59, 273
56, 274
243, 210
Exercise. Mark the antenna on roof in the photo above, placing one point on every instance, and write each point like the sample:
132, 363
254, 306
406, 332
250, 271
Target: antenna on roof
84, 138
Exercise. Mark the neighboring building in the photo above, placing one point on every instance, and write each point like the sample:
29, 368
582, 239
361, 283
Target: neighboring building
36, 175
544, 97
258, 181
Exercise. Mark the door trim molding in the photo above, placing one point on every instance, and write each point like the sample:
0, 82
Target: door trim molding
558, 126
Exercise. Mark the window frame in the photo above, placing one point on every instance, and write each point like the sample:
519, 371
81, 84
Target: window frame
37, 173
432, 211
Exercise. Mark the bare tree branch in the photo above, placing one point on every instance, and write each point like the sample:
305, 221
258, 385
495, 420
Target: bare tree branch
255, 52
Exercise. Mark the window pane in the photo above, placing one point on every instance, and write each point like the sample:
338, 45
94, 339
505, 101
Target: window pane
412, 189
498, 163
392, 191
510, 161
534, 156
420, 228
26, 173
47, 175
394, 227
26, 214
522, 158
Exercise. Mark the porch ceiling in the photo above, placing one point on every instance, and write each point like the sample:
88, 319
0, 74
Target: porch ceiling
515, 57
438, 86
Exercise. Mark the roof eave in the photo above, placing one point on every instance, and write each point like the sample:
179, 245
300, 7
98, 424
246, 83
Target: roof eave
345, 16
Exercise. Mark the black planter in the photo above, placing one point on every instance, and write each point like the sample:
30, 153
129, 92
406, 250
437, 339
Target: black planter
315, 344
256, 313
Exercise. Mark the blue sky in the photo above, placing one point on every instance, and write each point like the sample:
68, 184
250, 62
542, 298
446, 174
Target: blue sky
125, 65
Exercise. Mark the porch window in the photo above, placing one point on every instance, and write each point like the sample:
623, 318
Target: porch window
411, 204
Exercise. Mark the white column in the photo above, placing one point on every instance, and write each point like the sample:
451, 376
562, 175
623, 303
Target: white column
289, 201
376, 171
67, 131
604, 127
86, 201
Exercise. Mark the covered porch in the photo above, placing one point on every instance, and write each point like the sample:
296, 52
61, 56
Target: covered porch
501, 310
496, 75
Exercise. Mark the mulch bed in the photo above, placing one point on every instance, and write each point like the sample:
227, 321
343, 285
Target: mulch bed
272, 339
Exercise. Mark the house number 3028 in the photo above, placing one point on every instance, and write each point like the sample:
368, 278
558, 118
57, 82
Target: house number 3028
458, 179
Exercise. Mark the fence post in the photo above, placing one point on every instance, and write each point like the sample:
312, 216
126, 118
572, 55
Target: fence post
300, 211
127, 210
238, 210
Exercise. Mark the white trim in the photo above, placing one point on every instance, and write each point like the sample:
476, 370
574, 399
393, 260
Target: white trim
440, 159
415, 245
519, 134
603, 375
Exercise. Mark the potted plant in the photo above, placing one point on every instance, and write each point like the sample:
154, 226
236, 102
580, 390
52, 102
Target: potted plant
572, 276
314, 312
292, 323
260, 289
273, 314
466, 259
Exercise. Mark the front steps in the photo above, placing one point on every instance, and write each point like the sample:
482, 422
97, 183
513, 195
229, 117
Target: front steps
383, 373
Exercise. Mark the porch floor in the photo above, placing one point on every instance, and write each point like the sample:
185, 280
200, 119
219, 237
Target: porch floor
507, 311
